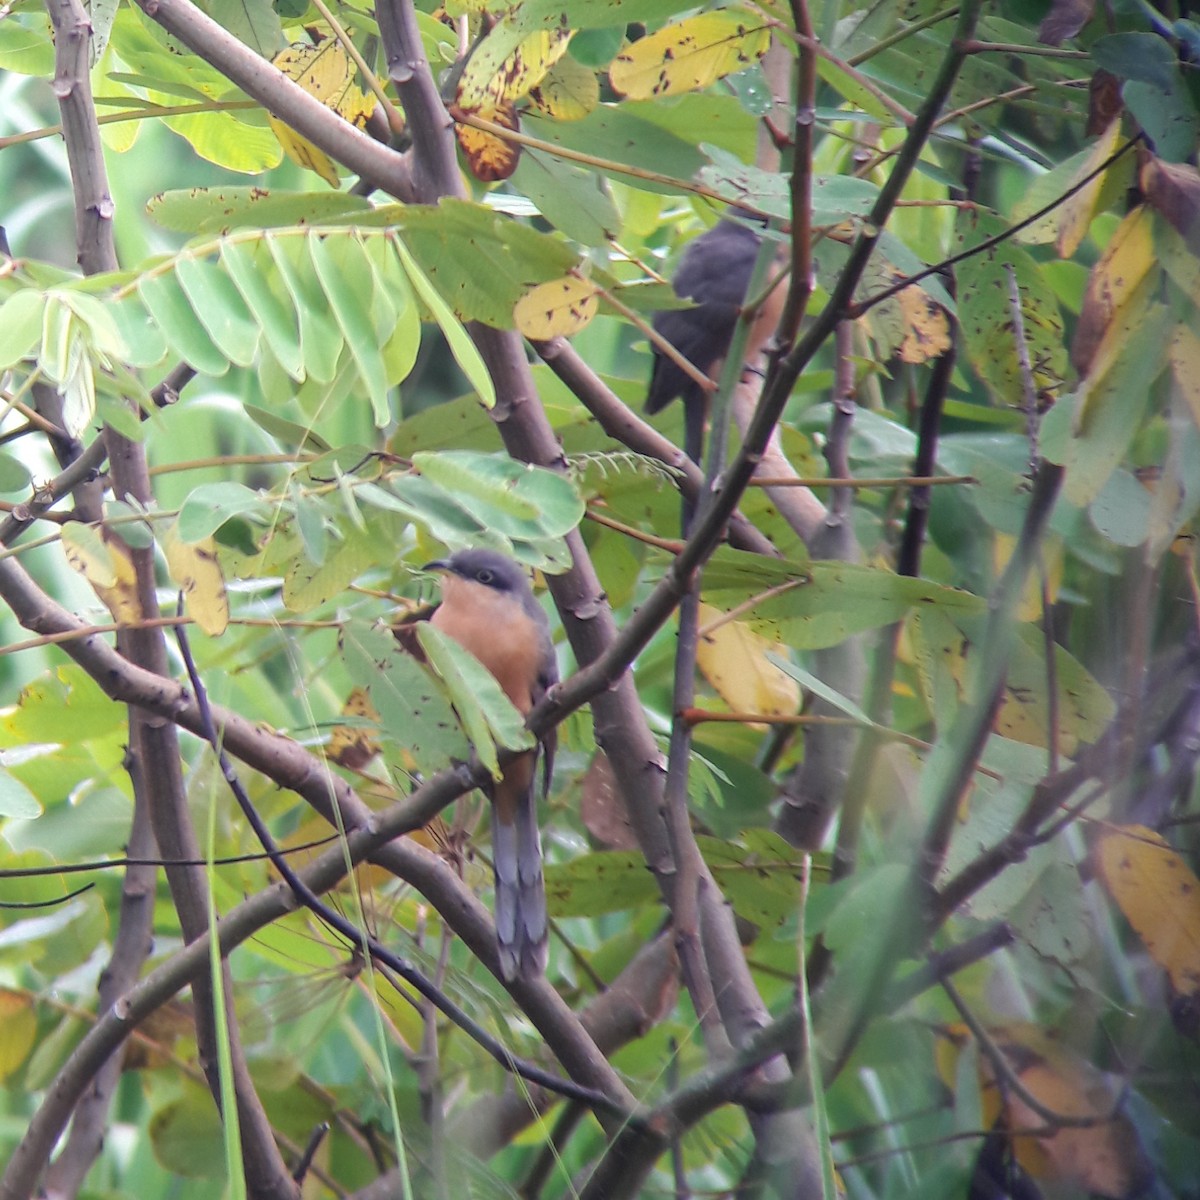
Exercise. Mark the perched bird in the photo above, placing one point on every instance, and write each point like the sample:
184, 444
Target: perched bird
489, 609
715, 272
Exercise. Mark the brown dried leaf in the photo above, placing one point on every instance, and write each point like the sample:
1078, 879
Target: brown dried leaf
1064, 20
1173, 189
490, 158
1105, 103
602, 810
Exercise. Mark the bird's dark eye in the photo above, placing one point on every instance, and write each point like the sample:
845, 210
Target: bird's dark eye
484, 575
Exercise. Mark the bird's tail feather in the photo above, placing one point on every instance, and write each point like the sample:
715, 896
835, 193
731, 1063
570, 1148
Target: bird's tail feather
520, 904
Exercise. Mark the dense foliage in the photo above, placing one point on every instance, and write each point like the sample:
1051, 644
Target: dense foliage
869, 843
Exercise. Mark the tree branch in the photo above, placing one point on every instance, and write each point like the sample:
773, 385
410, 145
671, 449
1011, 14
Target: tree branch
379, 165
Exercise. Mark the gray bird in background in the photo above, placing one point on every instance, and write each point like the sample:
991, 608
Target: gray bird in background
715, 272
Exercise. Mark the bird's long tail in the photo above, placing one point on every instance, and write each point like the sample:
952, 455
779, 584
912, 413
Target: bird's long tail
520, 903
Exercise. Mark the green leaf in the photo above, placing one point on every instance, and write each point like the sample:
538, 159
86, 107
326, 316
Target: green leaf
251, 269
521, 502
480, 261
615, 135
288, 433
414, 712
860, 97
719, 119
210, 505
832, 601
57, 335
26, 45
606, 881
487, 715
16, 800
819, 688
759, 874
397, 315
1145, 57
320, 338
307, 584
103, 333
186, 1134
1168, 116
346, 277
220, 210
220, 308
1109, 405
571, 198
141, 332
164, 300
14, 476
68, 694
460, 424
461, 346
985, 313
21, 317
430, 506
254, 22
314, 532
1123, 509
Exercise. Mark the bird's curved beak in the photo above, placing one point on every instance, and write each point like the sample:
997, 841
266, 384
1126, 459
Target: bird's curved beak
438, 564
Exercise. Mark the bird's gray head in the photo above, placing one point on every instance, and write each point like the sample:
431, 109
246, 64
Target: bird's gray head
486, 567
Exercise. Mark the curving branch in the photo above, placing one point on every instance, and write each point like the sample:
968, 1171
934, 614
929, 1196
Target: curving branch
155, 766
621, 727
380, 166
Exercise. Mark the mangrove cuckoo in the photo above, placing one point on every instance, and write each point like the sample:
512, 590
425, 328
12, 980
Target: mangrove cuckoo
489, 609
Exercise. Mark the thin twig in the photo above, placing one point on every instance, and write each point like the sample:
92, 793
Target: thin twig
360, 937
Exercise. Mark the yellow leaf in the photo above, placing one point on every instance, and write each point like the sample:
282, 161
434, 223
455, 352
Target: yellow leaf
325, 71
103, 560
734, 660
1160, 897
490, 158
926, 330
508, 63
1183, 353
18, 1030
1105, 1158
1076, 212
912, 325
353, 746
559, 308
568, 92
197, 573
1029, 607
1113, 282
690, 54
